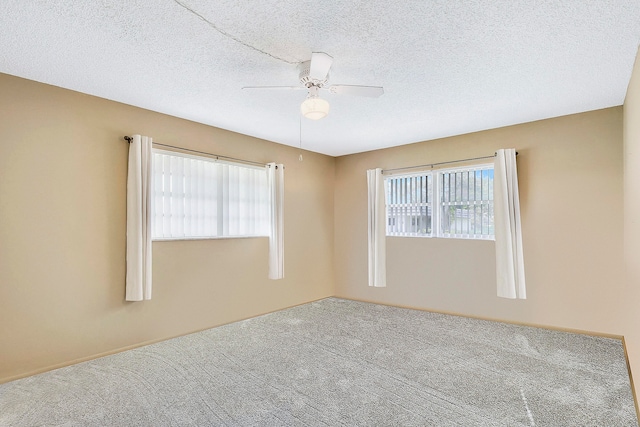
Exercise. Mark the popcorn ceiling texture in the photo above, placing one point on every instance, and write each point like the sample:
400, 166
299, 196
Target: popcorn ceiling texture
338, 362
447, 67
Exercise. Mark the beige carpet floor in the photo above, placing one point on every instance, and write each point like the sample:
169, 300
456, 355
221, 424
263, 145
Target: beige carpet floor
340, 363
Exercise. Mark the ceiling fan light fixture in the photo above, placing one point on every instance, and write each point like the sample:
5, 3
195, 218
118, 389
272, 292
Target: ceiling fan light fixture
314, 108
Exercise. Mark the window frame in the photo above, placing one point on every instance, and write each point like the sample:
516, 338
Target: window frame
207, 158
437, 202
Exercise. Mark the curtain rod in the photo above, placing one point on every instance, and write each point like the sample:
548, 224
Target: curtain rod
217, 156
440, 163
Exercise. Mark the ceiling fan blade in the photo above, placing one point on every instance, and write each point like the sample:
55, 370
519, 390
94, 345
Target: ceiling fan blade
369, 91
320, 65
275, 87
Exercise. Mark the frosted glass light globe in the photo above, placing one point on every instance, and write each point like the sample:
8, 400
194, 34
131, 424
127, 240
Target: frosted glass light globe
314, 108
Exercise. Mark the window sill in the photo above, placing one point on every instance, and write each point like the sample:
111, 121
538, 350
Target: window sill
172, 239
489, 239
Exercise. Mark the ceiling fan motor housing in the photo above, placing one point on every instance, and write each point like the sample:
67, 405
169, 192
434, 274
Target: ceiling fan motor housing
304, 70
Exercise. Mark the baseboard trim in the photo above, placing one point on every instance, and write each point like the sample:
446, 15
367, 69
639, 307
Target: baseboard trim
633, 389
491, 319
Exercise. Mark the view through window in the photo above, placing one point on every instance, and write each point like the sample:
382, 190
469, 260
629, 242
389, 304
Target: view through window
453, 203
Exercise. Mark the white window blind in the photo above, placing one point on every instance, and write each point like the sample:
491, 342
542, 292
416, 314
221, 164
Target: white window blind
199, 197
466, 203
409, 205
453, 203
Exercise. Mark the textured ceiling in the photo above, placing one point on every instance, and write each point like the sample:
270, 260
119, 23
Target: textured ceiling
447, 67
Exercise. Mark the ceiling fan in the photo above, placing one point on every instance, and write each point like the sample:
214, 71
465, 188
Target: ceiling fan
314, 76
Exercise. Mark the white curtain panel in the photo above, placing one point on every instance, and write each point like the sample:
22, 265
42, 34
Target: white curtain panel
138, 279
506, 200
275, 179
377, 228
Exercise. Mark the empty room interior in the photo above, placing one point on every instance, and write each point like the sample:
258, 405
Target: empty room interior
336, 109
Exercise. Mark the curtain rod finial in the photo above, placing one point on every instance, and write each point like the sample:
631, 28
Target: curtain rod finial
128, 138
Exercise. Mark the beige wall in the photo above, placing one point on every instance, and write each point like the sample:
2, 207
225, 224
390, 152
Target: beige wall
632, 221
62, 233
570, 173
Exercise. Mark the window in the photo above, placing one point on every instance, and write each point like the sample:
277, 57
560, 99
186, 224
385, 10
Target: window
200, 197
453, 203
409, 205
466, 203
